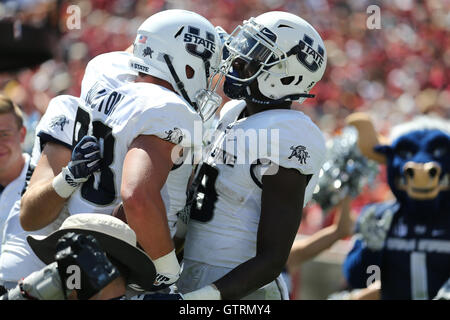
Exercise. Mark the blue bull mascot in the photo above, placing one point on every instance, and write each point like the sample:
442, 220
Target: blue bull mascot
406, 240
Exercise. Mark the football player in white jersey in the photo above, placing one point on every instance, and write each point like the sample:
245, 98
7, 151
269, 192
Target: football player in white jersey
138, 119
55, 138
248, 196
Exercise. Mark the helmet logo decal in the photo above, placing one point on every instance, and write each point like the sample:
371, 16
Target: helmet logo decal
310, 85
147, 52
142, 39
306, 52
269, 34
193, 39
300, 153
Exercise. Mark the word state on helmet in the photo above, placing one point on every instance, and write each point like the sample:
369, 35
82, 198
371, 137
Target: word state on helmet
193, 37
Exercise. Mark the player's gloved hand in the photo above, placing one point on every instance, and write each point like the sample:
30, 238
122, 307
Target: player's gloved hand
86, 159
168, 271
374, 230
164, 280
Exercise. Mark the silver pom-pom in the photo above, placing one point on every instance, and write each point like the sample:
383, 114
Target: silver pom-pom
345, 172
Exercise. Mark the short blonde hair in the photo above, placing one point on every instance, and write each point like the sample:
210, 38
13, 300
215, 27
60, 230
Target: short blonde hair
8, 106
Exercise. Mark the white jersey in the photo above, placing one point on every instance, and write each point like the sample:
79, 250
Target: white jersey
224, 220
117, 116
176, 183
17, 260
11, 193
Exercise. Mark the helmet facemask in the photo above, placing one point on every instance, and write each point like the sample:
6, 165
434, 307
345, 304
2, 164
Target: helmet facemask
250, 44
255, 44
207, 100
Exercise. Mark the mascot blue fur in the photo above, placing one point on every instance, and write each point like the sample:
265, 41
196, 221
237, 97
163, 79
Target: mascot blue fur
407, 239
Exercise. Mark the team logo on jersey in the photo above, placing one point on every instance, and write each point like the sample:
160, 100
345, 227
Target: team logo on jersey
148, 52
60, 121
300, 153
174, 136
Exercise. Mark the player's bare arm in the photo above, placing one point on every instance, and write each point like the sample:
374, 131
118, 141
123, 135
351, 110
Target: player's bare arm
145, 170
41, 204
281, 203
59, 172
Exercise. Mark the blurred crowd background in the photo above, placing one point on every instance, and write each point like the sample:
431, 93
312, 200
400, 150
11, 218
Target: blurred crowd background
395, 72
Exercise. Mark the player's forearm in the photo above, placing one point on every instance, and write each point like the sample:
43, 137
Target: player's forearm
305, 249
40, 206
146, 215
248, 277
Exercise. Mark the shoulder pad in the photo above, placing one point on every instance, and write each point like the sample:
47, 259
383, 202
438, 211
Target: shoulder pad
301, 143
58, 121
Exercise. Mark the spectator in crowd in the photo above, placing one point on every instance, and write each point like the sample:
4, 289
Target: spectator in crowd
14, 165
51, 143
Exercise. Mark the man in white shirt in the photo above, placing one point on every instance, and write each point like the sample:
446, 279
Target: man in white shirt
14, 165
54, 132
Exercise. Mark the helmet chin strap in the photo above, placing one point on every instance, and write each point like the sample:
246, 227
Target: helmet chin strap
292, 97
239, 90
179, 83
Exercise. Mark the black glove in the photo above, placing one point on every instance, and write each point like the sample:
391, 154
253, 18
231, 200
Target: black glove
86, 159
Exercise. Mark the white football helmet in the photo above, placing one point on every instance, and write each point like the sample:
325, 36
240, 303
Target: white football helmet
172, 43
285, 53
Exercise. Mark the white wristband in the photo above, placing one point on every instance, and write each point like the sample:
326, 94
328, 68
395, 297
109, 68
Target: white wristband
206, 293
61, 187
167, 264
